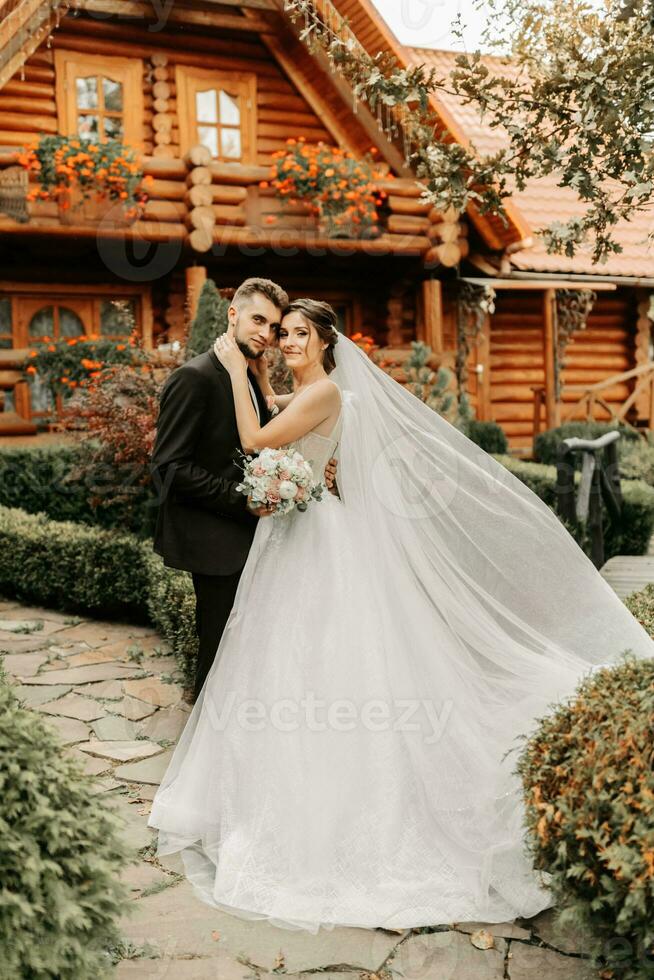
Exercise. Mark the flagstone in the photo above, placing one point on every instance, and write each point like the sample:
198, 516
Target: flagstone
81, 675
146, 771
108, 690
25, 626
160, 665
24, 664
569, 940
74, 706
176, 923
34, 696
114, 728
154, 691
39, 612
55, 664
91, 766
121, 751
218, 966
507, 930
134, 830
98, 656
167, 723
527, 961
106, 784
143, 875
450, 954
145, 644
172, 862
133, 709
94, 633
69, 730
68, 649
10, 643
143, 791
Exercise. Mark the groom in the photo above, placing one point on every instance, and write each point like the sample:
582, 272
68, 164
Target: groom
204, 525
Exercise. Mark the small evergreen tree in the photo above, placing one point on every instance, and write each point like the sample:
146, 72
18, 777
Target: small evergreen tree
60, 855
210, 320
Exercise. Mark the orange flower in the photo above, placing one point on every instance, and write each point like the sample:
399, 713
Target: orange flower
121, 346
31, 369
51, 347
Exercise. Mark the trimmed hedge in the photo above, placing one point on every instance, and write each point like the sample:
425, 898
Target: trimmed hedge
636, 526
90, 570
60, 853
38, 480
588, 785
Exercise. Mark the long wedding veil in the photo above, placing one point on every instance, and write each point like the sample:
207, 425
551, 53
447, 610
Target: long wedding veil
449, 532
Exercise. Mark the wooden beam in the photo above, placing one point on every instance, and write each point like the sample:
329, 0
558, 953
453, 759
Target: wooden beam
196, 276
37, 31
432, 306
143, 9
275, 45
539, 284
549, 339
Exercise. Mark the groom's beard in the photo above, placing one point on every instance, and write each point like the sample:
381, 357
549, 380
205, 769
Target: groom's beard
252, 355
246, 351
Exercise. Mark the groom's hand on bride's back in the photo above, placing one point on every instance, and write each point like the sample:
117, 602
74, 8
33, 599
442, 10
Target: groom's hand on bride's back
330, 476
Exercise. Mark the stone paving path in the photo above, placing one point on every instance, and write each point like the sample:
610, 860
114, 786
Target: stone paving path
112, 693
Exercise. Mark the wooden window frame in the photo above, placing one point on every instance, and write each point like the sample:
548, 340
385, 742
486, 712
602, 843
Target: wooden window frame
70, 65
187, 79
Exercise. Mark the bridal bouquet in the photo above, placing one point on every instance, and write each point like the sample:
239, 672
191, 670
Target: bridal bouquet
281, 479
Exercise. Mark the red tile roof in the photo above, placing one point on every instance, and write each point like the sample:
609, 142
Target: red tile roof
543, 201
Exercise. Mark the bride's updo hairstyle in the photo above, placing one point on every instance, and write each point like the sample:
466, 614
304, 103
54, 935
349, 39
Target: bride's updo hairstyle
322, 318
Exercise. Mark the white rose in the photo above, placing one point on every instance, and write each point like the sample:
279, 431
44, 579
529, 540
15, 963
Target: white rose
287, 490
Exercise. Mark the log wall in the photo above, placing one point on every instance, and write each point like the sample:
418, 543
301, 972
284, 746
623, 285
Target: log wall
603, 348
27, 104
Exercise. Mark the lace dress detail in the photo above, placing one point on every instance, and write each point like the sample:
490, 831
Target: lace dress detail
289, 797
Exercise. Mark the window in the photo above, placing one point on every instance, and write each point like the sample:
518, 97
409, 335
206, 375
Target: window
38, 312
217, 111
5, 323
100, 98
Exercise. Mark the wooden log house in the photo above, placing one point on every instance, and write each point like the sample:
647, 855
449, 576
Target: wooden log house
205, 92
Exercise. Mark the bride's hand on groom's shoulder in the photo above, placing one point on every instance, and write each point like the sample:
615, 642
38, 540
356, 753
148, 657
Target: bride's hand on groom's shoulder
229, 354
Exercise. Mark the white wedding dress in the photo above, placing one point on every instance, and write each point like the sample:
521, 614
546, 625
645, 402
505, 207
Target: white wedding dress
345, 762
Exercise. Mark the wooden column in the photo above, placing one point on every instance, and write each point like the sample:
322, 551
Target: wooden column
432, 311
551, 407
483, 374
196, 276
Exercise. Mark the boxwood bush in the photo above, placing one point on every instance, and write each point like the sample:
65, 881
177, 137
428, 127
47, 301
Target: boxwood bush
630, 537
588, 785
489, 435
60, 855
90, 570
38, 479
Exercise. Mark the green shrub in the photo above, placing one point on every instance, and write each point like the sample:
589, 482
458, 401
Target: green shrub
489, 435
630, 537
60, 854
39, 480
641, 605
546, 443
72, 567
170, 603
588, 786
637, 460
210, 320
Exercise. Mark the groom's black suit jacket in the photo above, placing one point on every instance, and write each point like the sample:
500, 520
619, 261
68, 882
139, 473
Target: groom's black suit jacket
203, 524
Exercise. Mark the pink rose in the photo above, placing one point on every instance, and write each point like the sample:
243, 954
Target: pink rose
258, 471
273, 497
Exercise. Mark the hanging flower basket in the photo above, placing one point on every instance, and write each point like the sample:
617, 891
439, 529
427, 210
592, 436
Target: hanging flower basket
339, 188
78, 208
90, 181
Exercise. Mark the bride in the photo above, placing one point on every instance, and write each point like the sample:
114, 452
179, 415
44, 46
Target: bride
347, 760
